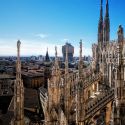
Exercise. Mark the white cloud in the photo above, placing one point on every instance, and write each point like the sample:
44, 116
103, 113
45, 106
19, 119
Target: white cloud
42, 35
65, 39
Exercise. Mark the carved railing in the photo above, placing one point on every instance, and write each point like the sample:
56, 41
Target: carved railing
99, 103
92, 107
91, 80
43, 98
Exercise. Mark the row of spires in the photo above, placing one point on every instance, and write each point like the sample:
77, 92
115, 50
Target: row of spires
106, 13
66, 60
104, 26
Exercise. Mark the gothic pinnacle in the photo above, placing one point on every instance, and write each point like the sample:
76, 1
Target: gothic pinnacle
107, 9
80, 49
101, 11
66, 60
56, 60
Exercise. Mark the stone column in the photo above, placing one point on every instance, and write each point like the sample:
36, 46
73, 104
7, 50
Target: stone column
110, 75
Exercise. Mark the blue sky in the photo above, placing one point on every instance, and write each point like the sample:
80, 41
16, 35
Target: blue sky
45, 23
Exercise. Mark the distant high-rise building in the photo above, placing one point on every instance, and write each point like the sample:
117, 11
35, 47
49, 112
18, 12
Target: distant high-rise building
70, 52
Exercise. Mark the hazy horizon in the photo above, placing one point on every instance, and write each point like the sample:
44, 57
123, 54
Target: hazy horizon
42, 24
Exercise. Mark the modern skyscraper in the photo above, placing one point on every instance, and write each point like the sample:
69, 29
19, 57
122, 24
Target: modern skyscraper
70, 52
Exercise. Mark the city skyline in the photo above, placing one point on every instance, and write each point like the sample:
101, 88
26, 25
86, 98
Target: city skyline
41, 24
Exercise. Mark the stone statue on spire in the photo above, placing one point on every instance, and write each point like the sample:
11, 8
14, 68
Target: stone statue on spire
18, 93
